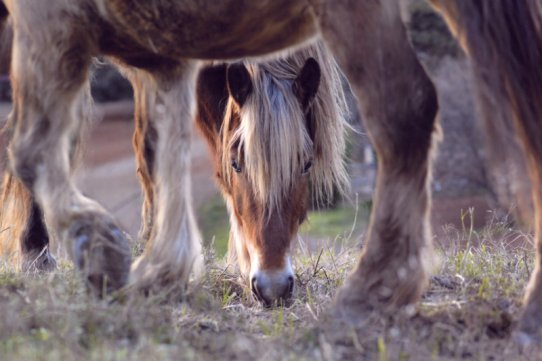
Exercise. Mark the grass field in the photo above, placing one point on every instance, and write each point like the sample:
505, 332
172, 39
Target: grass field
468, 313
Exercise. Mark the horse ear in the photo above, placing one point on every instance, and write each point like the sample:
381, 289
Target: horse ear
212, 95
239, 83
306, 84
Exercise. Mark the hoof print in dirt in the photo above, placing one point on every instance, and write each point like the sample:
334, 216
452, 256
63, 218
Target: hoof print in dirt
102, 253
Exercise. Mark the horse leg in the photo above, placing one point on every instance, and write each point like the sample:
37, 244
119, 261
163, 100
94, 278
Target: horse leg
510, 84
21, 217
49, 70
144, 143
399, 105
23, 233
164, 115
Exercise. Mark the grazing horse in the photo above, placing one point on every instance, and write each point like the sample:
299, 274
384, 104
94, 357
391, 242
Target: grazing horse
272, 127
54, 42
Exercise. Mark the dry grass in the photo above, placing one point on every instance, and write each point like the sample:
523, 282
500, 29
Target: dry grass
469, 312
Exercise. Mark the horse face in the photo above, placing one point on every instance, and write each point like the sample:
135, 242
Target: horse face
263, 226
264, 233
266, 225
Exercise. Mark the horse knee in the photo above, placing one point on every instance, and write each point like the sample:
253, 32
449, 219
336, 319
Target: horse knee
24, 163
28, 146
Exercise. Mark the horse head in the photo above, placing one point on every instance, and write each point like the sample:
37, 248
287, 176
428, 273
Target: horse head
260, 130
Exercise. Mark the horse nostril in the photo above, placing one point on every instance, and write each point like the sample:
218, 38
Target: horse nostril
290, 285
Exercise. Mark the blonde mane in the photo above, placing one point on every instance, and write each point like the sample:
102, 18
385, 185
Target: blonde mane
273, 133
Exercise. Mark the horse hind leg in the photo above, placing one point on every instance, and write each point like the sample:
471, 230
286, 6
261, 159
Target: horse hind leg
144, 143
164, 114
510, 84
49, 71
399, 105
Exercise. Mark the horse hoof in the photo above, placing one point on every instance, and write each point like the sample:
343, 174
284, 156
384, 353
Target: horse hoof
367, 290
42, 262
524, 340
102, 253
352, 303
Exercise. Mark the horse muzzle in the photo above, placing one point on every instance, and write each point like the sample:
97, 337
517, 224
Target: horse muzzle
272, 288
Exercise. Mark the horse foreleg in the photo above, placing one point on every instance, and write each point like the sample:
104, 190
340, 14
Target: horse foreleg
399, 105
24, 236
165, 110
49, 71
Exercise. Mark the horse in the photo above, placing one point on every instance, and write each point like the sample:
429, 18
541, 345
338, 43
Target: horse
272, 128
290, 135
161, 42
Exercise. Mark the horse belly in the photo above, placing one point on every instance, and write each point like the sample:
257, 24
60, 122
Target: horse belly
208, 29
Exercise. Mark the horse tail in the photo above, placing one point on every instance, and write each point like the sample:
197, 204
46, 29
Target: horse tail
14, 198
14, 214
6, 39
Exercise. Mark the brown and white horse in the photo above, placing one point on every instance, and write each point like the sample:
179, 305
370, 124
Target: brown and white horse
272, 127
55, 40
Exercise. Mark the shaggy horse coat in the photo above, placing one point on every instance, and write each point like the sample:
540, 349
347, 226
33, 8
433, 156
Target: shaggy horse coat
54, 42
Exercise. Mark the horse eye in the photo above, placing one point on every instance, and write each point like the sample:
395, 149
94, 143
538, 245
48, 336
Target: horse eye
236, 167
307, 167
